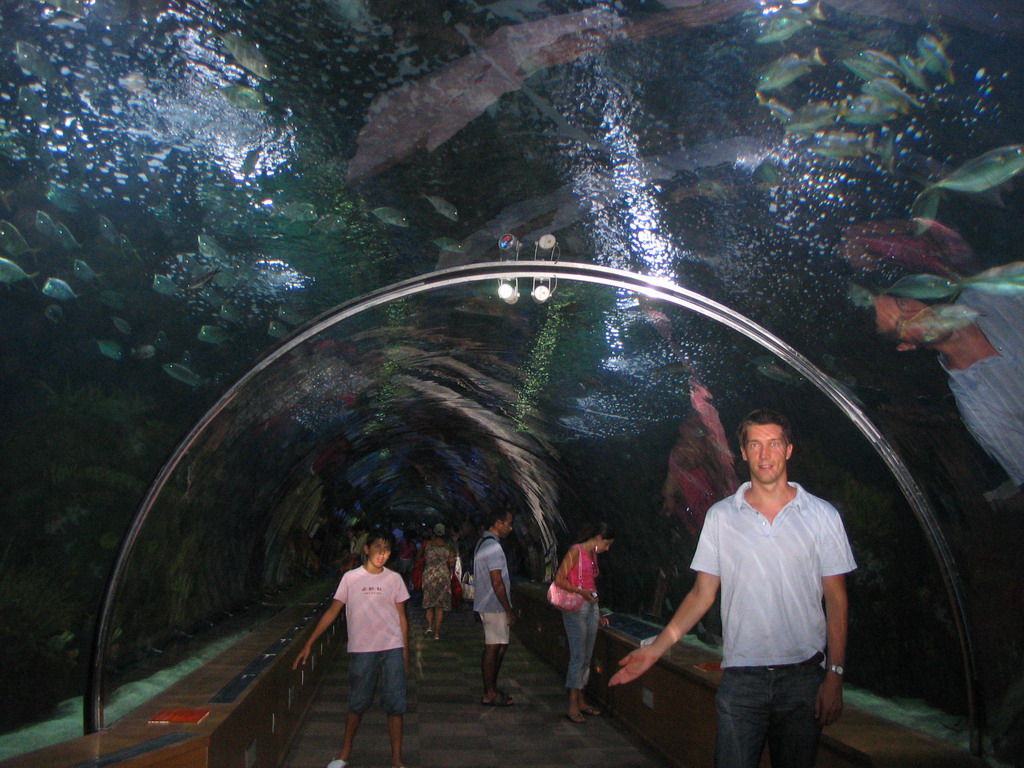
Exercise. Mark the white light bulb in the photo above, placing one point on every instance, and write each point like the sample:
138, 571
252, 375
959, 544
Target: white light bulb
505, 291
541, 292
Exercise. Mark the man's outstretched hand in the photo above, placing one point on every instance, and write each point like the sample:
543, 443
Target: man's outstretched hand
633, 665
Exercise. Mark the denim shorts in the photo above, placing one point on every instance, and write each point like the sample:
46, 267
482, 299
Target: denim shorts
365, 669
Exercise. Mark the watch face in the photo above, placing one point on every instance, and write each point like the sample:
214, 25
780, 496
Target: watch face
837, 668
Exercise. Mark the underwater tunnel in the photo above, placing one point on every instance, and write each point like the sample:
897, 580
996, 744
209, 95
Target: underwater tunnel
275, 269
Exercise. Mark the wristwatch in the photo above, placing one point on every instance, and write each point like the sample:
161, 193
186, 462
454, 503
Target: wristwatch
837, 668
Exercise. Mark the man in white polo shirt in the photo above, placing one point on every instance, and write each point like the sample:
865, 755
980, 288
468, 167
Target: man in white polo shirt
776, 551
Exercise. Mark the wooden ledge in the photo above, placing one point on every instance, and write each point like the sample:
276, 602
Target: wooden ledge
251, 719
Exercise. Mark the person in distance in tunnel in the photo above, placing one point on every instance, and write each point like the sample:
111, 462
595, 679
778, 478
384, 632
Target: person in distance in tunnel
776, 551
378, 642
577, 573
493, 601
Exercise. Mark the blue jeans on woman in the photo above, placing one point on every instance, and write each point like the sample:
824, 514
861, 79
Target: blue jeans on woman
758, 704
581, 629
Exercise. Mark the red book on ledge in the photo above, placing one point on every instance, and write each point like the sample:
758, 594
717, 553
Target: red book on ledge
179, 716
713, 666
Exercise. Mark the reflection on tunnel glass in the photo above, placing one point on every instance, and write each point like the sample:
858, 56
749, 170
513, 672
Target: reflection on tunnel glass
184, 186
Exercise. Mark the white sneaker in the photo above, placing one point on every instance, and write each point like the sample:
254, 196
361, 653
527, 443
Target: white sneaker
337, 763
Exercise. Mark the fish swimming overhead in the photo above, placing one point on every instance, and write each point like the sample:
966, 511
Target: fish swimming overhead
182, 373
11, 241
786, 69
443, 207
244, 97
83, 271
35, 62
986, 171
11, 272
995, 167
784, 24
391, 216
164, 284
247, 55
213, 334
58, 289
110, 348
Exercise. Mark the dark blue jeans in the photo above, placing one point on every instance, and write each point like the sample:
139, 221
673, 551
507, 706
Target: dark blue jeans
759, 704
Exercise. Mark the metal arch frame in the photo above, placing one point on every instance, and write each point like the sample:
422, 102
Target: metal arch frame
652, 287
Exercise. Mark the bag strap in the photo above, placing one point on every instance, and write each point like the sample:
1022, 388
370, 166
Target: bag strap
476, 549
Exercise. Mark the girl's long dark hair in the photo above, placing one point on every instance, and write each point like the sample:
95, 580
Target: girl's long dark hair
589, 530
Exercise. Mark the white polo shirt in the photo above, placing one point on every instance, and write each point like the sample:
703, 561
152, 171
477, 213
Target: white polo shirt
771, 575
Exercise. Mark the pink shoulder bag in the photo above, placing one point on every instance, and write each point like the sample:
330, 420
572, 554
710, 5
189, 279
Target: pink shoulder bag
562, 599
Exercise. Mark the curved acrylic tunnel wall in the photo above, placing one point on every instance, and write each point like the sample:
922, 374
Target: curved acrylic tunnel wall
440, 404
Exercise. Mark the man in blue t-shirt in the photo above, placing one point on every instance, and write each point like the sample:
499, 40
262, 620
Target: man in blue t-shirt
492, 600
776, 551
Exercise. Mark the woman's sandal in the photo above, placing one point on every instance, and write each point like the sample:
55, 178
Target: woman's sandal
590, 711
576, 718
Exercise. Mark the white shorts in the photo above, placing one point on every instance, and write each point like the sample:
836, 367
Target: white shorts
495, 628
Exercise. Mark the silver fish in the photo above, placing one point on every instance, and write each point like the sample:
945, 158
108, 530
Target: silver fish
443, 207
58, 289
213, 334
11, 240
247, 55
164, 284
986, 171
786, 69
83, 271
11, 272
107, 230
182, 373
210, 248
391, 216
110, 348
35, 62
244, 97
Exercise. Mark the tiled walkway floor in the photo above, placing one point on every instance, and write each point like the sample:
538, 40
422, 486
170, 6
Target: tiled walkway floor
446, 726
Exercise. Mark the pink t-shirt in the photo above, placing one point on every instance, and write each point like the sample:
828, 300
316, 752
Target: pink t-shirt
370, 600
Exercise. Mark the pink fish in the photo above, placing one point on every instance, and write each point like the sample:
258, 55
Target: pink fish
921, 245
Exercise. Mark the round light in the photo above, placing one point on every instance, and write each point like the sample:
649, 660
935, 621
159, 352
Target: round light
505, 291
541, 292
546, 242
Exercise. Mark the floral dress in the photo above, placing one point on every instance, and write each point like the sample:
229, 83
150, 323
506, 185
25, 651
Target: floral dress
437, 577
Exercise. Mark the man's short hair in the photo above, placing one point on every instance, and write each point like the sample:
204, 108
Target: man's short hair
496, 514
761, 417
